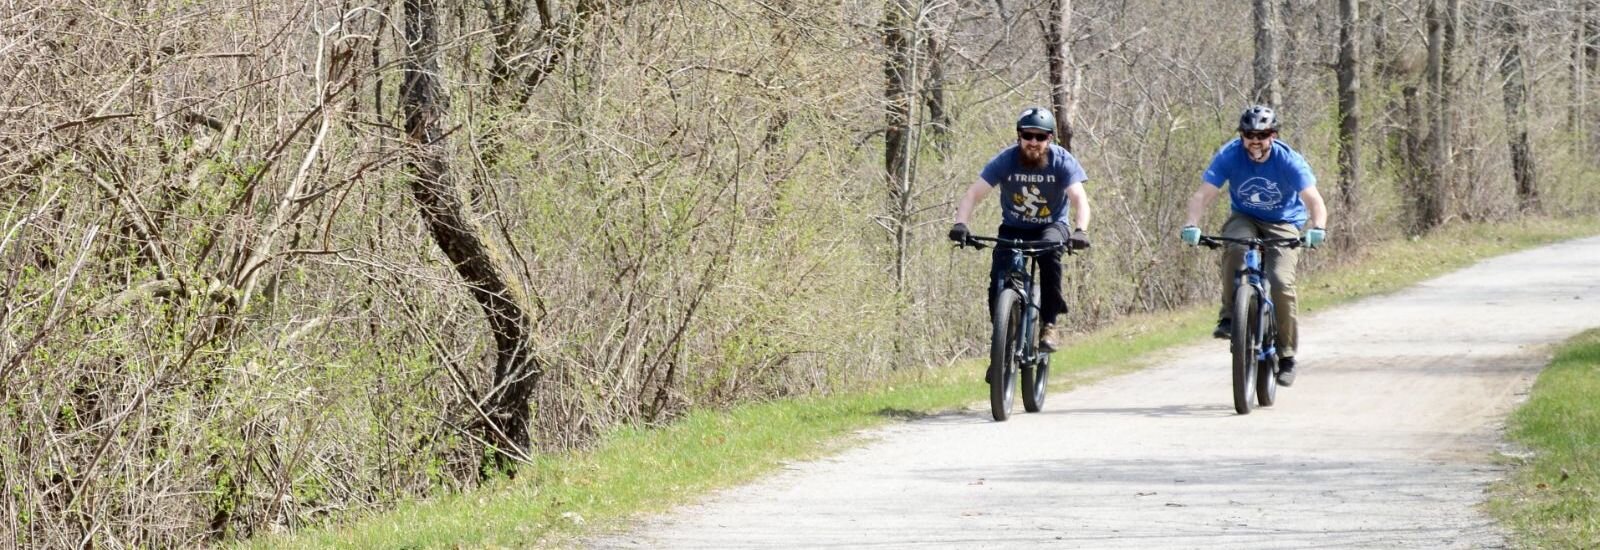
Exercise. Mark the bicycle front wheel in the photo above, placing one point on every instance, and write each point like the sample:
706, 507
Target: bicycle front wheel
1003, 347
1246, 328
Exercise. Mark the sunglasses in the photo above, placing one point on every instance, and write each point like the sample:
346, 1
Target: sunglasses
1030, 136
1257, 136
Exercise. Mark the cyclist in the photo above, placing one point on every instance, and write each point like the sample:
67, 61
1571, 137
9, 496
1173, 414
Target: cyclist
1273, 191
1040, 182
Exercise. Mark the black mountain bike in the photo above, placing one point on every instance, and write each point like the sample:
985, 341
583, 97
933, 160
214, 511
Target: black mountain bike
1255, 331
1014, 346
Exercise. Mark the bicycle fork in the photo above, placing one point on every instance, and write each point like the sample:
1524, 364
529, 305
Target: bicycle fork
1266, 340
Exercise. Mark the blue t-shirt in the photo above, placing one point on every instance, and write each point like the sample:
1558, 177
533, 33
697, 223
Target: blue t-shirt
1033, 197
1267, 191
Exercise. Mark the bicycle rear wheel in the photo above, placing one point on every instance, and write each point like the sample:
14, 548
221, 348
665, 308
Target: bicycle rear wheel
1266, 377
1034, 381
1246, 327
1003, 353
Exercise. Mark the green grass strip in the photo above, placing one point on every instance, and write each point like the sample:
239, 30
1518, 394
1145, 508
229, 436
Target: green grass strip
636, 470
1553, 500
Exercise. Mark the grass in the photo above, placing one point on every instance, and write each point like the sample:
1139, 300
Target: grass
635, 470
1553, 499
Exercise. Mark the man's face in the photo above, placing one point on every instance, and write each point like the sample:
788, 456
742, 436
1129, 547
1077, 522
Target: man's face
1034, 143
1257, 142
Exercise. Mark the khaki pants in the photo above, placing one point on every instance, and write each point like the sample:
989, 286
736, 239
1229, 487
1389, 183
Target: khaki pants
1278, 263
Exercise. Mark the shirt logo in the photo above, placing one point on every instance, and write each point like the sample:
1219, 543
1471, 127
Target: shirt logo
1030, 204
1260, 193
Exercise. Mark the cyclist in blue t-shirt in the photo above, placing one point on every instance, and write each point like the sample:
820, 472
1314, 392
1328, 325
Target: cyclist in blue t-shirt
1274, 195
1040, 182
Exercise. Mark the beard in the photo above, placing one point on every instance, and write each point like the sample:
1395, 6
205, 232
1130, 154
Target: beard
1032, 158
1259, 152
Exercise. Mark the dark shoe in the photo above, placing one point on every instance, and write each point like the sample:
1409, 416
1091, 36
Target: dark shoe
1047, 338
1286, 372
1224, 329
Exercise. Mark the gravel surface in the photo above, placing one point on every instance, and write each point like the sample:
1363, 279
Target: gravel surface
1387, 440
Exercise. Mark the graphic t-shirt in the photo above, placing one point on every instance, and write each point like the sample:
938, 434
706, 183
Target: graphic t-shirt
1033, 197
1267, 191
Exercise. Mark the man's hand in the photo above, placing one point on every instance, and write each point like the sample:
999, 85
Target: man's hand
959, 233
1315, 236
1079, 240
1190, 235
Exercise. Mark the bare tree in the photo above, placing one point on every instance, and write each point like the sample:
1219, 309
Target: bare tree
1058, 53
1584, 51
1514, 89
1432, 197
1348, 69
504, 417
933, 87
1266, 57
899, 80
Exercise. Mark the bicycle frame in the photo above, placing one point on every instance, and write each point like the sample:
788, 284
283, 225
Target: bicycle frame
1014, 345
1250, 273
1023, 272
1021, 276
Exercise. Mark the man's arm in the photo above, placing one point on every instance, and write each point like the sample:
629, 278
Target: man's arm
1202, 199
1314, 204
974, 195
1079, 201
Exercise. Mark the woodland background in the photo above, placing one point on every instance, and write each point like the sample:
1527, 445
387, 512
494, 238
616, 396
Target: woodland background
269, 263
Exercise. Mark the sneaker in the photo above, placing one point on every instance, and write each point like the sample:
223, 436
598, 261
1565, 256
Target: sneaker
1286, 372
1224, 329
1047, 338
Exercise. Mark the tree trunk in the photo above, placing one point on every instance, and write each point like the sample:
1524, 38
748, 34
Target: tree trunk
424, 105
933, 92
1288, 43
897, 95
1266, 85
1413, 144
1577, 117
1060, 57
1349, 75
1432, 199
1514, 89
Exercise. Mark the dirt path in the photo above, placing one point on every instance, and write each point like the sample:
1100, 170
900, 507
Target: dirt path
1387, 440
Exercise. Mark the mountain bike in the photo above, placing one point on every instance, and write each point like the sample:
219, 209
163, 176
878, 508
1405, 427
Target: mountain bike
1014, 344
1255, 330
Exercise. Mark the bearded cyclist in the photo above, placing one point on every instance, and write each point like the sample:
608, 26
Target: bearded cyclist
1274, 195
1040, 182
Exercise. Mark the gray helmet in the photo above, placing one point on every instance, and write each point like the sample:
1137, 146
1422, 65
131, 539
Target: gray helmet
1258, 117
1037, 118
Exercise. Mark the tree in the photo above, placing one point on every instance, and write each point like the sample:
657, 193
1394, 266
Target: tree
1514, 89
1266, 58
1585, 50
1349, 71
1433, 195
1057, 51
898, 94
933, 96
503, 412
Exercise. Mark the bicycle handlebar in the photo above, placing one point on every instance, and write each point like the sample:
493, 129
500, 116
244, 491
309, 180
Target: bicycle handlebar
1215, 241
1026, 247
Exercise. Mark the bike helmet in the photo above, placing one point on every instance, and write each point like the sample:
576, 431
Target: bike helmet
1037, 118
1258, 117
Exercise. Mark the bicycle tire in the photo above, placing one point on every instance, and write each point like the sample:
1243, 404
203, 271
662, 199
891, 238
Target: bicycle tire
1035, 380
1246, 322
1002, 353
1266, 375
1035, 377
